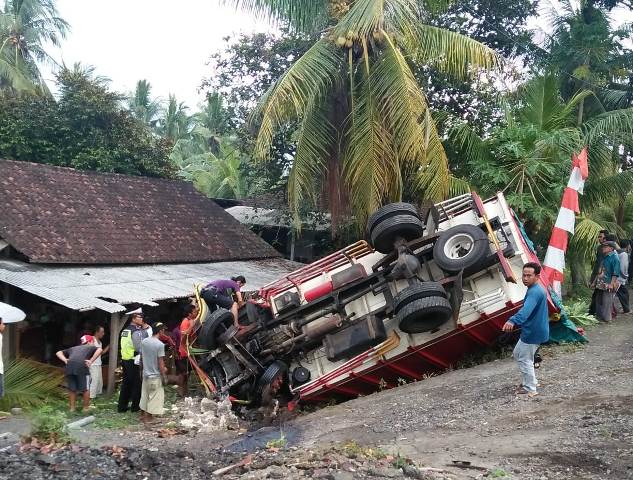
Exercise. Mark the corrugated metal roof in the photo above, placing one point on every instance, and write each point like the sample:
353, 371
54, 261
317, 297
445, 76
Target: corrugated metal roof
109, 288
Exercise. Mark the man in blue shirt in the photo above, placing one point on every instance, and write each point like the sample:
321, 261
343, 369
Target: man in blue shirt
533, 319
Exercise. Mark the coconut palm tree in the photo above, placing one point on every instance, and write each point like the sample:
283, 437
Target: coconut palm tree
214, 168
142, 105
175, 123
25, 27
365, 129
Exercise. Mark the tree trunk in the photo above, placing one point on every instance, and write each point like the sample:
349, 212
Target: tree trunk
578, 273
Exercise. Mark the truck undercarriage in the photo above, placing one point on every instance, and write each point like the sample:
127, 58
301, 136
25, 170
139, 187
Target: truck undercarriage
425, 290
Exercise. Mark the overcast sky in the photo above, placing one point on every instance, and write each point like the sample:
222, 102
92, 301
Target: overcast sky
166, 42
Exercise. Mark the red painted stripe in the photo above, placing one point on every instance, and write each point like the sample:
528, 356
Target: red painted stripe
551, 274
559, 239
582, 161
570, 200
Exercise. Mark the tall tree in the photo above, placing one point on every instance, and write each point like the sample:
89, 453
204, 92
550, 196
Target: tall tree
174, 123
26, 26
86, 129
529, 158
142, 105
365, 126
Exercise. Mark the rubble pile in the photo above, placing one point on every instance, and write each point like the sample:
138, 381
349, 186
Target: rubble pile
206, 415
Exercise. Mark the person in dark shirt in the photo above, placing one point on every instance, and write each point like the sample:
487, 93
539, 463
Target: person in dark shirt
218, 293
78, 361
597, 264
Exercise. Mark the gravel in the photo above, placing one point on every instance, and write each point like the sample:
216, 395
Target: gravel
465, 424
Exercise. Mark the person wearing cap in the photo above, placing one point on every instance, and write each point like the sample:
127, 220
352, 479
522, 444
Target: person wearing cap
217, 293
78, 361
154, 370
130, 344
606, 282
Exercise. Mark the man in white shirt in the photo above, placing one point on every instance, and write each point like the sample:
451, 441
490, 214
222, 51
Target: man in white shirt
2, 325
96, 375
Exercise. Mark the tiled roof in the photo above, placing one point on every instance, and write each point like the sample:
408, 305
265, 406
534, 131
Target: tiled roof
61, 215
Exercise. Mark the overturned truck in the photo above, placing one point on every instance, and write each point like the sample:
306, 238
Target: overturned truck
425, 290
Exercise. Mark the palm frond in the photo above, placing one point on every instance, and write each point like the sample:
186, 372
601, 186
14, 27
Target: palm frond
311, 75
28, 384
607, 190
615, 124
302, 15
416, 140
315, 140
451, 52
371, 169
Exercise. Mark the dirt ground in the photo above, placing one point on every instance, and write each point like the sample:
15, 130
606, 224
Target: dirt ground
579, 427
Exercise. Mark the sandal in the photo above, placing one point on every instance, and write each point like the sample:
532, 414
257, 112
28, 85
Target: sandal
527, 393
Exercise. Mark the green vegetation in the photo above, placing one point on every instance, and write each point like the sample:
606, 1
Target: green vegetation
30, 384
49, 425
355, 103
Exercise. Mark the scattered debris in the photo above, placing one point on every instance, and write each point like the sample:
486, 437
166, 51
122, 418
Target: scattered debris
208, 416
170, 432
81, 422
247, 460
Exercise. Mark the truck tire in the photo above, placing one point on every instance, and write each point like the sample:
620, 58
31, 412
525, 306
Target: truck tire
416, 292
217, 323
388, 211
460, 248
424, 315
274, 373
386, 231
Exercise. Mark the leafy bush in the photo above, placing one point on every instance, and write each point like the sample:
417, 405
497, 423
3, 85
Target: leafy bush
577, 312
49, 425
30, 384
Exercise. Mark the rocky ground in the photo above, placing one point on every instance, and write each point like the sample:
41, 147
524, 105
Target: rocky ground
464, 424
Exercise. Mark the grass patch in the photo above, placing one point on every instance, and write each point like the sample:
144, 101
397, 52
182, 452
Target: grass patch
49, 425
484, 356
498, 473
277, 443
354, 450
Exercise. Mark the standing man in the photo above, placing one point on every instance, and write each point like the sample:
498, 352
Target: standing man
130, 344
533, 319
154, 370
218, 293
96, 372
623, 290
597, 263
2, 326
78, 361
606, 283
187, 337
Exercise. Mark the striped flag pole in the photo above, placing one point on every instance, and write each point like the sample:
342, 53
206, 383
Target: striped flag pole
554, 263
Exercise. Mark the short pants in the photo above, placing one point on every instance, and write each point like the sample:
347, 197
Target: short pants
77, 383
1, 385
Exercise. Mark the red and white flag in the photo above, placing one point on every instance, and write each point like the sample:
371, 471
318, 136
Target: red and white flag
554, 263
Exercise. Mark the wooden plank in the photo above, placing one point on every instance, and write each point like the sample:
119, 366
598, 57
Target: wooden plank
113, 353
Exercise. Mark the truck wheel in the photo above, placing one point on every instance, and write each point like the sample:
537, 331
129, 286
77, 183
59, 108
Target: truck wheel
424, 314
388, 211
273, 377
386, 231
416, 292
460, 247
217, 323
